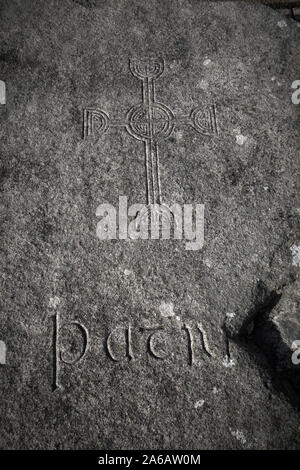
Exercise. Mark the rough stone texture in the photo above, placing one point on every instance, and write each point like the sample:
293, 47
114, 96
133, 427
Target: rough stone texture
278, 329
59, 57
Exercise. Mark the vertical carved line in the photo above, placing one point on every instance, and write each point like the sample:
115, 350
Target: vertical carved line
204, 340
209, 115
190, 343
129, 345
214, 111
149, 95
91, 124
157, 172
153, 90
55, 384
84, 123
150, 123
153, 171
144, 90
146, 146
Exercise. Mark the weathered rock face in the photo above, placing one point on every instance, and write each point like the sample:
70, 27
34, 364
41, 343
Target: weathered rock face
278, 330
143, 343
286, 318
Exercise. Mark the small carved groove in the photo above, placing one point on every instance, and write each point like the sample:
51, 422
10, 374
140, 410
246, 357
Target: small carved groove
190, 337
55, 384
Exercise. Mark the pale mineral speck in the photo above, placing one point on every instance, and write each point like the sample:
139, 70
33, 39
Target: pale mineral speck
206, 62
295, 249
199, 404
203, 84
127, 272
54, 301
208, 262
240, 139
239, 435
228, 363
166, 309
215, 390
282, 24
230, 315
179, 135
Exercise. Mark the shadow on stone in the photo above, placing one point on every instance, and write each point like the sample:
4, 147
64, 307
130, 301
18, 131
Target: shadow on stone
267, 335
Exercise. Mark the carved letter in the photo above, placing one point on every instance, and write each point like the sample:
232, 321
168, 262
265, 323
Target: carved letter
109, 348
204, 341
151, 348
58, 357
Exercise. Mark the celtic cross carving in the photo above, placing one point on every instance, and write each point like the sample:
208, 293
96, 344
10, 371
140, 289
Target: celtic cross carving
150, 121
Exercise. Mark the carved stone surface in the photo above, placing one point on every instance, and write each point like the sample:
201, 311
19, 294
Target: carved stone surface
141, 343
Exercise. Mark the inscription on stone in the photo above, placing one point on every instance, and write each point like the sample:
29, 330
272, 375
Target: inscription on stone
119, 344
150, 121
